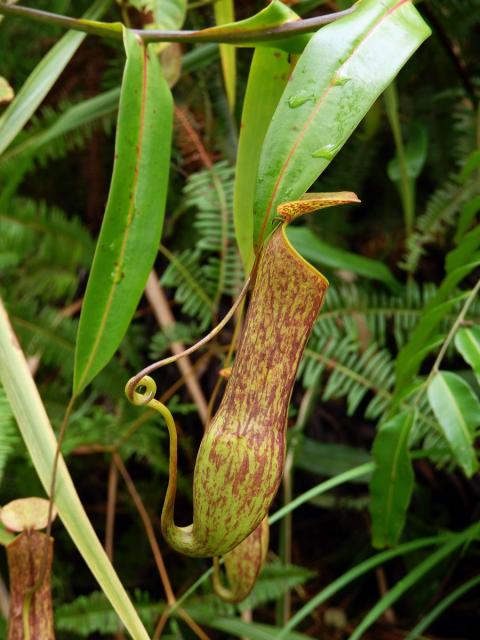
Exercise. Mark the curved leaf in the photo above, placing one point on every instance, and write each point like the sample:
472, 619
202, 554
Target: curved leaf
269, 73
324, 102
39, 438
224, 13
133, 221
42, 78
274, 15
467, 342
457, 410
392, 480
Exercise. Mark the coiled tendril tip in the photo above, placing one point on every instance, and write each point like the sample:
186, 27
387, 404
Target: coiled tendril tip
140, 392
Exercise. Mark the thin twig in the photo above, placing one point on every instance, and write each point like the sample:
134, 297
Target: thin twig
451, 334
111, 504
147, 523
44, 563
132, 383
157, 554
159, 303
114, 30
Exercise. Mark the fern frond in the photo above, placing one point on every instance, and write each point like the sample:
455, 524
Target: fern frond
365, 315
9, 434
46, 332
442, 209
33, 229
210, 193
179, 331
274, 580
56, 132
352, 373
192, 290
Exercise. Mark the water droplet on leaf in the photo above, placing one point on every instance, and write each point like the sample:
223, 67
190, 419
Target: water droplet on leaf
341, 80
327, 152
299, 99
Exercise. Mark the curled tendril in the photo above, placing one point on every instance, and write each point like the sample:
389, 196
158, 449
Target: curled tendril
141, 398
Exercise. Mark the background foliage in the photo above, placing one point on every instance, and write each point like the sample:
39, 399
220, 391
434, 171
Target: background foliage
403, 269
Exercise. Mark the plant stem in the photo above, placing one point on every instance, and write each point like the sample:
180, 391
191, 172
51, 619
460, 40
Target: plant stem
451, 334
114, 30
111, 504
161, 309
406, 185
157, 554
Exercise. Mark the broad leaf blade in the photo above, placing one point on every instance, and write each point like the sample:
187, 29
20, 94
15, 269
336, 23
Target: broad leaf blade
324, 102
42, 78
40, 440
269, 73
457, 410
392, 480
133, 221
467, 342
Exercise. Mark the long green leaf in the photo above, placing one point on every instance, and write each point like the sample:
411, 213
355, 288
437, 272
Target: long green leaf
224, 13
323, 254
392, 480
344, 68
438, 609
407, 583
433, 313
42, 78
354, 573
241, 629
40, 440
467, 342
269, 73
133, 221
457, 410
80, 115
93, 109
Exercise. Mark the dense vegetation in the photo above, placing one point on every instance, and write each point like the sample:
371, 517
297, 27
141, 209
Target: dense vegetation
389, 383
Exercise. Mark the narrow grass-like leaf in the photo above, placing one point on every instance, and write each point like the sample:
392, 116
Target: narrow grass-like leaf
133, 221
253, 630
438, 609
467, 342
89, 111
392, 481
457, 410
407, 583
40, 440
323, 254
323, 103
42, 78
357, 571
408, 360
224, 13
269, 73
78, 116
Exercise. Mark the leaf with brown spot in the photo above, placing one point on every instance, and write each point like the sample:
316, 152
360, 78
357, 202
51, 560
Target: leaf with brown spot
133, 222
